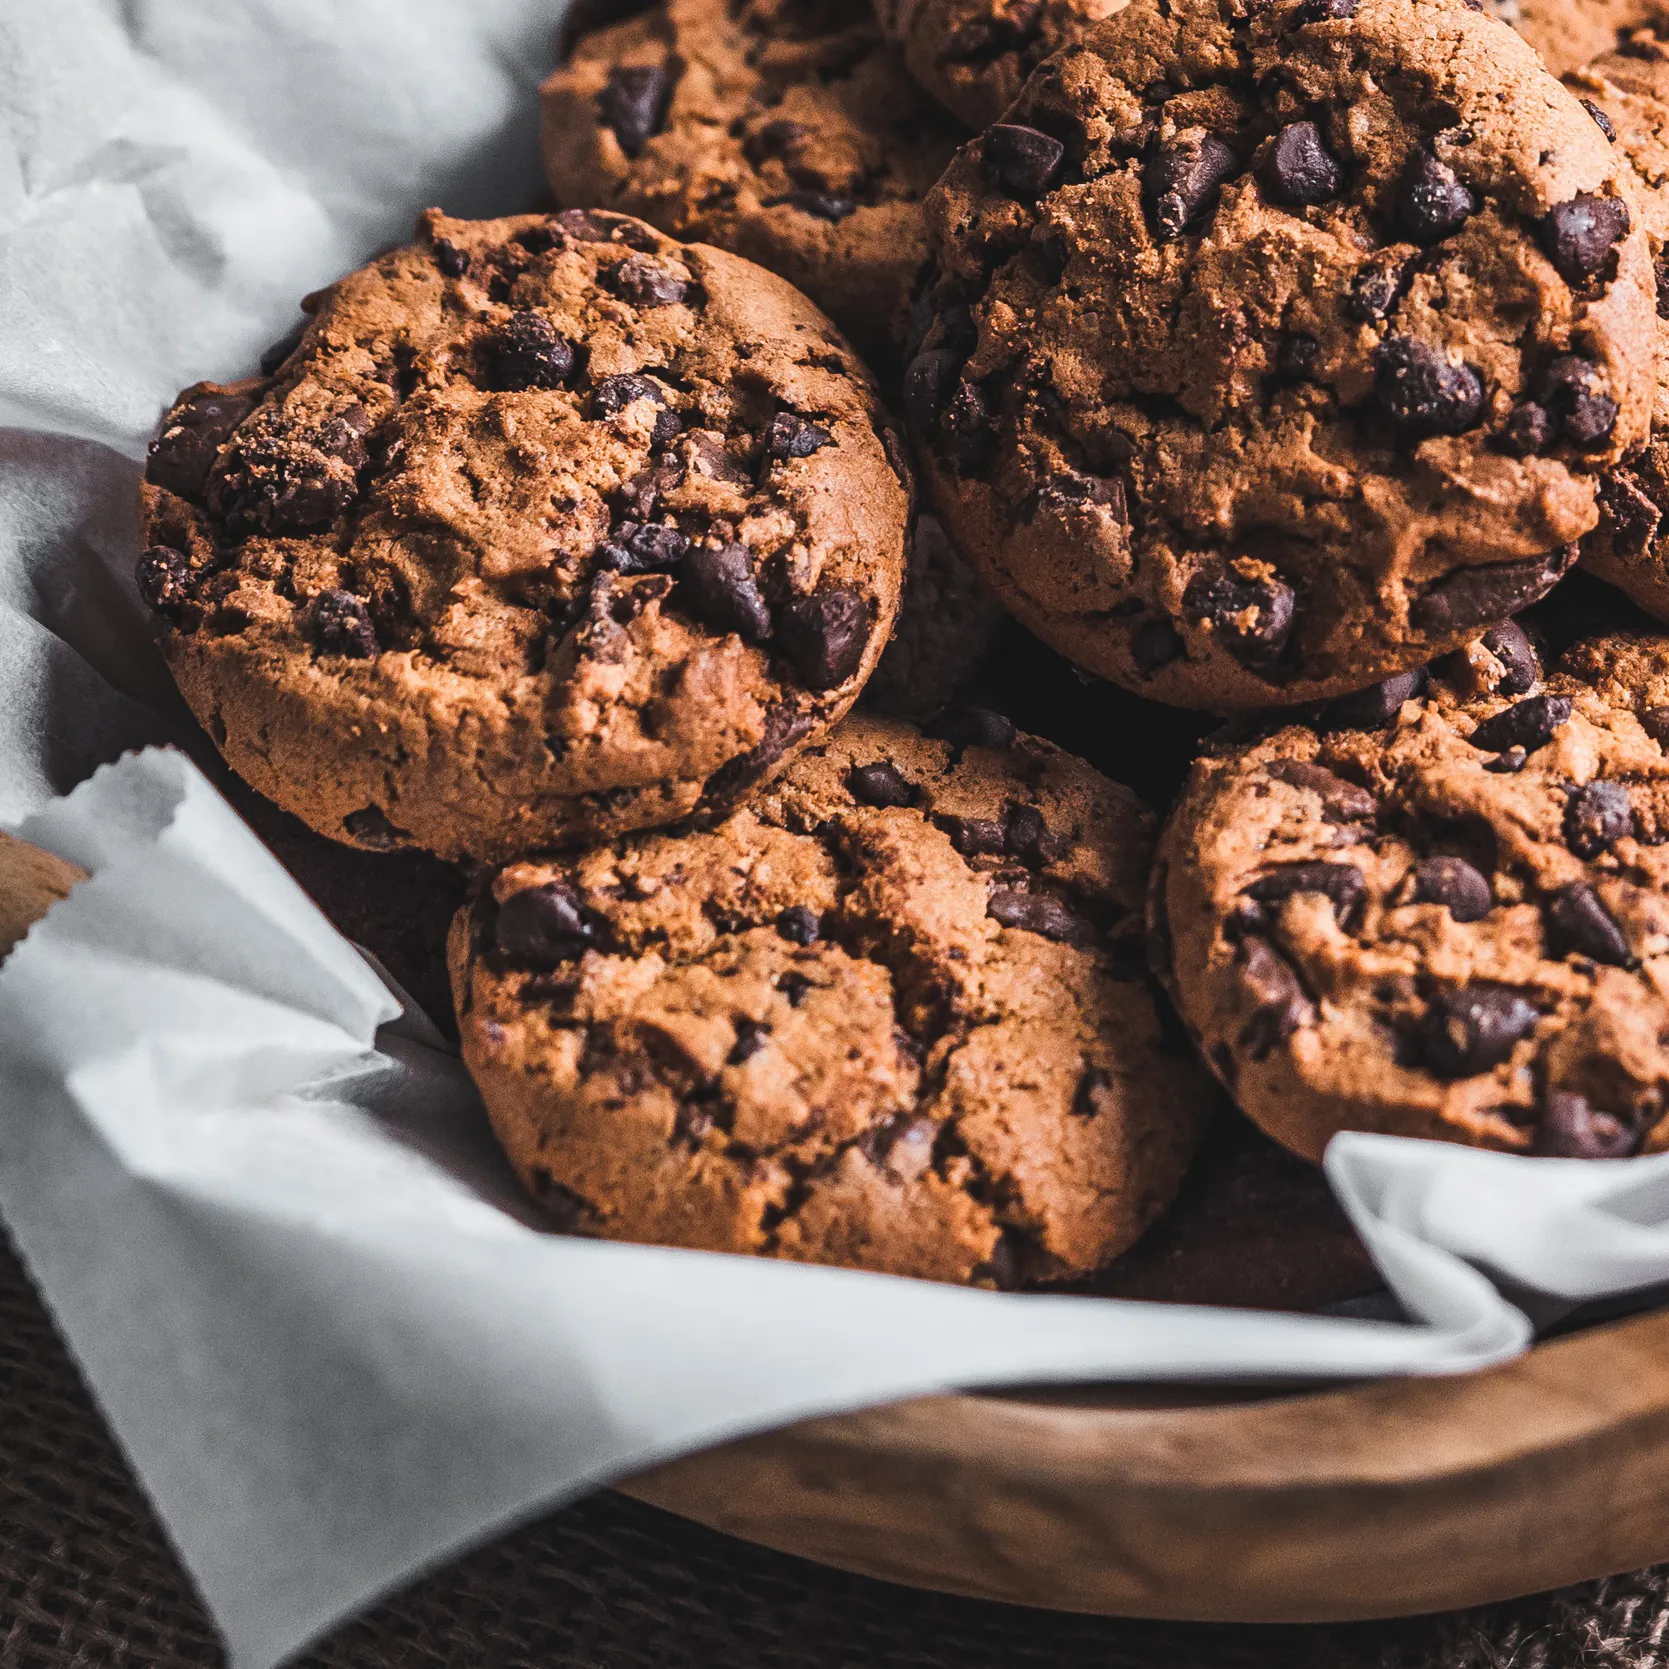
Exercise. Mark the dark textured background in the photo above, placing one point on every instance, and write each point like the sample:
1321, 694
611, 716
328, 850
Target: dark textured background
86, 1580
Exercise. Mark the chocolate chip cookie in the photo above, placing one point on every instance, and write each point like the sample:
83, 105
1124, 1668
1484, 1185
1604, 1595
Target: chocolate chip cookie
547, 528
1571, 33
1451, 926
891, 1014
1627, 94
1276, 354
974, 56
787, 131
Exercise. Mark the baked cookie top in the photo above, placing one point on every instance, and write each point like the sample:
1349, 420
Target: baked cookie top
546, 528
974, 56
1454, 926
892, 1014
1276, 353
787, 131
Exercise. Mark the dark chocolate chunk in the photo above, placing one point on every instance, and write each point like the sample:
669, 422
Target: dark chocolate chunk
1629, 515
1026, 836
614, 394
1655, 722
1521, 665
821, 205
1180, 183
799, 925
1455, 884
1341, 882
1298, 170
824, 636
1578, 924
1326, 11
785, 725
1295, 356
791, 436
1380, 283
1472, 1029
633, 104
927, 386
975, 837
193, 433
773, 139
1601, 120
1280, 1005
599, 226
343, 625
882, 785
1154, 643
794, 985
643, 283
1341, 801
642, 548
283, 482
529, 352
750, 1039
1431, 200
1509, 763
543, 927
1528, 430
1598, 816
1376, 706
1527, 724
1094, 1089
1580, 235
1476, 596
452, 261
972, 727
1573, 391
1254, 618
1423, 391
1571, 1128
163, 576
967, 430
1019, 160
716, 584
1037, 912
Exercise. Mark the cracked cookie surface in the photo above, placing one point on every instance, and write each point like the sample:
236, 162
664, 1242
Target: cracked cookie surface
546, 528
787, 131
1274, 355
890, 1015
974, 56
1453, 926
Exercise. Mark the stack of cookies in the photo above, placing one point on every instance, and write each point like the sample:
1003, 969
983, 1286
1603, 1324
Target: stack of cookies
1117, 368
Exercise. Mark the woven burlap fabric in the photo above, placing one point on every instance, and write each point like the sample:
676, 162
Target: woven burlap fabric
86, 1580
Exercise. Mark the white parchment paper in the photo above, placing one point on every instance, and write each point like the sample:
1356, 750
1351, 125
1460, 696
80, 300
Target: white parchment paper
262, 1202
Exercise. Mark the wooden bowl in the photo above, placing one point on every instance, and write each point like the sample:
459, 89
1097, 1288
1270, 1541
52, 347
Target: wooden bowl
1375, 1500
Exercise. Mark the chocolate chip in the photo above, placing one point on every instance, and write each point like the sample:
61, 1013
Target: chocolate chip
750, 1039
1527, 724
821, 205
1509, 763
1578, 924
1572, 389
716, 584
1598, 816
972, 727
163, 576
1181, 180
825, 636
1019, 160
1295, 356
975, 837
792, 436
529, 351
1629, 514
1655, 722
1423, 391
1253, 617
1579, 235
642, 493
644, 284
642, 548
282, 481
599, 226
1472, 596
1341, 801
1378, 286
1521, 666
1570, 1128
927, 385
799, 925
967, 430
452, 261
633, 104
1455, 884
1601, 120
614, 394
713, 460
193, 433
343, 625
1474, 1028
1431, 201
370, 827
1094, 1090
275, 355
785, 725
543, 927
1326, 11
773, 139
1279, 1003
881, 785
1036, 912
1341, 882
1298, 170
1026, 836
1154, 643
794, 985
1376, 706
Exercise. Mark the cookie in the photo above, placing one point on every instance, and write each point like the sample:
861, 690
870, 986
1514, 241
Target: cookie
787, 131
889, 1015
947, 622
1276, 355
31, 882
546, 529
1627, 93
1568, 34
1453, 926
974, 56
